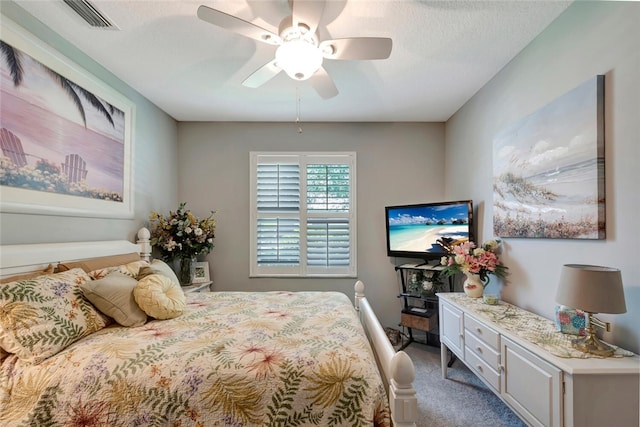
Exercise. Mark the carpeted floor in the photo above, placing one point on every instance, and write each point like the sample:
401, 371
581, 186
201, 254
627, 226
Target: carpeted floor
459, 401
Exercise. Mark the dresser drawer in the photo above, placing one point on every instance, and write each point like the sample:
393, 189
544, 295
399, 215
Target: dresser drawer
482, 350
484, 333
482, 369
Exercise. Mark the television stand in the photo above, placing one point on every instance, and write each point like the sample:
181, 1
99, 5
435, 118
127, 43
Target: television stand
419, 283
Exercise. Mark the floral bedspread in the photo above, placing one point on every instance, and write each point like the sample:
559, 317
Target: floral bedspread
233, 359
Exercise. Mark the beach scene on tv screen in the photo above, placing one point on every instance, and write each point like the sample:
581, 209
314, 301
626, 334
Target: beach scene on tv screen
416, 229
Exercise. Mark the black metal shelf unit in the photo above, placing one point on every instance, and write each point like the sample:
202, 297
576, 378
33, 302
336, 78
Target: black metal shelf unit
418, 286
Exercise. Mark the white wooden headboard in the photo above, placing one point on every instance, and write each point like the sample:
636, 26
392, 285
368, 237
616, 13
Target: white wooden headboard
16, 259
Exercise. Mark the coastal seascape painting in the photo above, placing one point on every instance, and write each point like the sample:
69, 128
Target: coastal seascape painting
65, 137
548, 169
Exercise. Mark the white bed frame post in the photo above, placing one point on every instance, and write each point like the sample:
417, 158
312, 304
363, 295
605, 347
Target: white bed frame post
396, 368
144, 240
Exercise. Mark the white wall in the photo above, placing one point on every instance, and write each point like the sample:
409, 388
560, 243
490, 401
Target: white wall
396, 164
154, 153
589, 38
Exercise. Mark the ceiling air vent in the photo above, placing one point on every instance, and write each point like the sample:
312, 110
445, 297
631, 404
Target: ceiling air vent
90, 13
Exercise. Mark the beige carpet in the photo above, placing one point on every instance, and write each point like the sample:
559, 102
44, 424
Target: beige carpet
459, 401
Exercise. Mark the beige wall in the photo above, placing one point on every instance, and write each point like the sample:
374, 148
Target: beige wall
397, 163
589, 38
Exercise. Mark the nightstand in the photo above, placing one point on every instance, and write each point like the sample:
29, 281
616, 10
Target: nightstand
197, 287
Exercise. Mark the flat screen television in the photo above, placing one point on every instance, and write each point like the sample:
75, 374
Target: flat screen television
413, 230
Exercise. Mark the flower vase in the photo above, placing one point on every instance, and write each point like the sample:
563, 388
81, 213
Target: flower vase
185, 273
473, 286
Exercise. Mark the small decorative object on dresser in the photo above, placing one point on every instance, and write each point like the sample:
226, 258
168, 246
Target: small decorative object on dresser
477, 263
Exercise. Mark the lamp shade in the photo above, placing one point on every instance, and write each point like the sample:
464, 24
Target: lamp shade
591, 288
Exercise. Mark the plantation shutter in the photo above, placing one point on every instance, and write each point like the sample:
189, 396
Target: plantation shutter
303, 216
278, 187
328, 191
278, 241
278, 190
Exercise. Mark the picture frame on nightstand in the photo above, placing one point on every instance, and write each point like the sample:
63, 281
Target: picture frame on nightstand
201, 272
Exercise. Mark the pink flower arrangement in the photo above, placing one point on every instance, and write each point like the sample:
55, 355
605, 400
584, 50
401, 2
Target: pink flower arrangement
466, 257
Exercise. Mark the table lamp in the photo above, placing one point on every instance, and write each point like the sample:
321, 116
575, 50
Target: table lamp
592, 289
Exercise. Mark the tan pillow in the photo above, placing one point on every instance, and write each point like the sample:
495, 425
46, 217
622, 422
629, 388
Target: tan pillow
101, 262
42, 316
159, 297
159, 267
113, 296
25, 276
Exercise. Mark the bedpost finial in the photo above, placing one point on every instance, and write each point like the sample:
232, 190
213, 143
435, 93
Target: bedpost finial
144, 234
359, 288
144, 243
402, 370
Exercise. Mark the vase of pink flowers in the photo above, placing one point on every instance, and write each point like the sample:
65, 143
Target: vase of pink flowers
476, 263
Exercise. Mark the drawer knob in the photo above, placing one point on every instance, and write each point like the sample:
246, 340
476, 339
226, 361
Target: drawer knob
479, 350
479, 368
479, 330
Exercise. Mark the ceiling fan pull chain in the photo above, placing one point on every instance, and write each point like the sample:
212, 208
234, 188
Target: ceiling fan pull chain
298, 110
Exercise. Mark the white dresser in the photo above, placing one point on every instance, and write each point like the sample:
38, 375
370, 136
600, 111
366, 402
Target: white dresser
532, 367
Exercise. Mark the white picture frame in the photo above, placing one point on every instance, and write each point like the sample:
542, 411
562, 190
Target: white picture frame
201, 272
115, 178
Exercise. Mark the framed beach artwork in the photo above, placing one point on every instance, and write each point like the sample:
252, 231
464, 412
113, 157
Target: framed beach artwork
548, 169
66, 137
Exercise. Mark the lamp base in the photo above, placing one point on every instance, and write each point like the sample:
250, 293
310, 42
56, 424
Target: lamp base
591, 344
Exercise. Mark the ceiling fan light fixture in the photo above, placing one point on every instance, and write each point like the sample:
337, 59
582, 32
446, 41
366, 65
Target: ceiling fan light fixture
299, 58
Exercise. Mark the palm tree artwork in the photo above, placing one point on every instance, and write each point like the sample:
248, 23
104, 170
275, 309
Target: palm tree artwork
102, 151
13, 57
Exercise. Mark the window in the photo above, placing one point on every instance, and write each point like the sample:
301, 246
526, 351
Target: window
303, 214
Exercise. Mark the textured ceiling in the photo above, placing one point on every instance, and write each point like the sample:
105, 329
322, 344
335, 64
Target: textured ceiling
443, 53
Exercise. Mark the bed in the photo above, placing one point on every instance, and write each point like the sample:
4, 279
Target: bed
225, 358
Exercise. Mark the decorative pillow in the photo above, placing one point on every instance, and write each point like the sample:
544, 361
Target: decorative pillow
101, 262
42, 316
131, 269
159, 267
31, 275
113, 296
159, 297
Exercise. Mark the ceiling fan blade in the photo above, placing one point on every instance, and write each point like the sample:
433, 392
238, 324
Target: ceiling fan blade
237, 25
357, 48
307, 12
262, 75
323, 84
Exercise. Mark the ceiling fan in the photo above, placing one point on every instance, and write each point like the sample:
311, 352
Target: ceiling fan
300, 53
